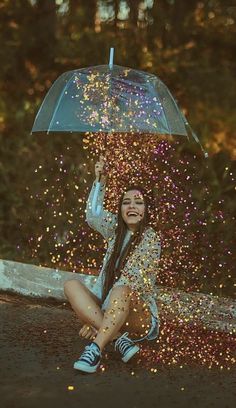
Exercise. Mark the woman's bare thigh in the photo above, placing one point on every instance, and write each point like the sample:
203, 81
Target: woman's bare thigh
77, 284
139, 321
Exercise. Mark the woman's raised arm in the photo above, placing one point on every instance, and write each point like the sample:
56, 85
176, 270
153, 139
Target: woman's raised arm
105, 222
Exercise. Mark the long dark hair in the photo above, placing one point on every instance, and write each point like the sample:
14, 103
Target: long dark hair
112, 273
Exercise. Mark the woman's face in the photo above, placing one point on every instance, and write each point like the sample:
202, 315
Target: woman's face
132, 209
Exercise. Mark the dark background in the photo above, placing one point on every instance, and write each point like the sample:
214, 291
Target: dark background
45, 179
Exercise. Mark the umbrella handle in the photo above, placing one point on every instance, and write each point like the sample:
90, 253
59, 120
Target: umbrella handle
96, 209
111, 58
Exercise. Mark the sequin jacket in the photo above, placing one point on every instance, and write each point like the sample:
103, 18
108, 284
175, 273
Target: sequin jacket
140, 269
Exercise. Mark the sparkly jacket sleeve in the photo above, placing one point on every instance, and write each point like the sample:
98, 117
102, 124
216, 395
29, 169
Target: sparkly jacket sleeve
140, 270
105, 223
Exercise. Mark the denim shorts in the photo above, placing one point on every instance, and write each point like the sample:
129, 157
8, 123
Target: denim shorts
154, 330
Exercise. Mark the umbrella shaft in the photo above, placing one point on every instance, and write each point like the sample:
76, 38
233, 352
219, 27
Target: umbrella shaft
111, 58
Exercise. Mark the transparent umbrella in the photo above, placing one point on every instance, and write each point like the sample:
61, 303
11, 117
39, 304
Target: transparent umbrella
109, 99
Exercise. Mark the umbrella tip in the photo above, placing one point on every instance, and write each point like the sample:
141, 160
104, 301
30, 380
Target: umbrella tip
111, 57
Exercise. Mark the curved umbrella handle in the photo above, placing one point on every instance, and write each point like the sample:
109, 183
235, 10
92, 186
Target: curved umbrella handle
96, 209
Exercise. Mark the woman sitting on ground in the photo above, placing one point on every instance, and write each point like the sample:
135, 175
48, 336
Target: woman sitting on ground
123, 297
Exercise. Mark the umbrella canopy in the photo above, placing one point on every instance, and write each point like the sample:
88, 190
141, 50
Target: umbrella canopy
110, 99
101, 99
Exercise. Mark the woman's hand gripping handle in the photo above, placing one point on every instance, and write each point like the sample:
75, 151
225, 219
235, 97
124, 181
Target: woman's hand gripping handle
100, 170
101, 179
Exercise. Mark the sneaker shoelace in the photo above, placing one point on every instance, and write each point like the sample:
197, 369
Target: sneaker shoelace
89, 354
123, 342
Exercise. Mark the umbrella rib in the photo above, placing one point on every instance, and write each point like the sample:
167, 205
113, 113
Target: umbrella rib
59, 101
166, 120
164, 107
187, 125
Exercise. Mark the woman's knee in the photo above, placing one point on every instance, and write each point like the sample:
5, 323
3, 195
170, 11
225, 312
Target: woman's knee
74, 287
71, 285
122, 290
120, 295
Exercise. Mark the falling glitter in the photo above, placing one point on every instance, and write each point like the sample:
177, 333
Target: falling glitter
195, 256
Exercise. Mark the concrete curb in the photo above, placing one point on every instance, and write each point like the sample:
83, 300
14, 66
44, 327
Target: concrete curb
37, 281
30, 280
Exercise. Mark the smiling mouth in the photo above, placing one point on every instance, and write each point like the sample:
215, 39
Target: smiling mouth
132, 215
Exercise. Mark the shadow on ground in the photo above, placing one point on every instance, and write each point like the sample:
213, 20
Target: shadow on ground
40, 342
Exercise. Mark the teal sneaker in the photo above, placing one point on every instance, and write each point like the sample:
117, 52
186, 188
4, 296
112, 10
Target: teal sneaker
90, 359
126, 347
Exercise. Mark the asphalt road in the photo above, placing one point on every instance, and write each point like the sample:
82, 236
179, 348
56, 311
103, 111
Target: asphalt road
39, 343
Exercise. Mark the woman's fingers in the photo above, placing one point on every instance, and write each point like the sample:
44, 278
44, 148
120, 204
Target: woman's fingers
102, 158
87, 332
98, 168
81, 333
87, 336
83, 330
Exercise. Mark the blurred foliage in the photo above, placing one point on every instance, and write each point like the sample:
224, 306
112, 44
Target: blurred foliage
189, 45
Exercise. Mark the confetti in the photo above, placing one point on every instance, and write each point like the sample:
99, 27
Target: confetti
196, 256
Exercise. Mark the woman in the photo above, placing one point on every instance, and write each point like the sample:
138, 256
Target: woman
123, 297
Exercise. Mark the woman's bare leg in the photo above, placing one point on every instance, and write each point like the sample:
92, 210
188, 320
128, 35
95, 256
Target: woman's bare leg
139, 320
87, 307
114, 316
84, 303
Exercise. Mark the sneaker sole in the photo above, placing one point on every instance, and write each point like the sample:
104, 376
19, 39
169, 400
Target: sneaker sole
79, 365
130, 354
